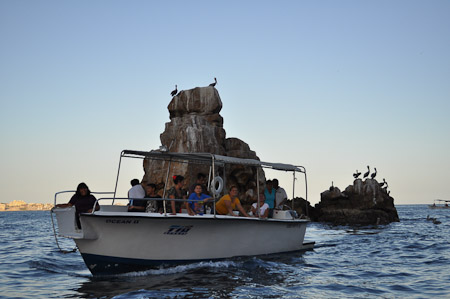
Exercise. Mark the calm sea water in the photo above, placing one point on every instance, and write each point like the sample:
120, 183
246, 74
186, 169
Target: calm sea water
406, 259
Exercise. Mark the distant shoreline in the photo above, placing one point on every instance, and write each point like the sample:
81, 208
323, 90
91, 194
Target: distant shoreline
25, 210
20, 205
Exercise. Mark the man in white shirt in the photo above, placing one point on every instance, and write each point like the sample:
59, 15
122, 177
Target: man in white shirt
280, 195
137, 191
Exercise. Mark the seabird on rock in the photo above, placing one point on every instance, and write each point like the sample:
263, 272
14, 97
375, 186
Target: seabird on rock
215, 82
357, 174
373, 175
174, 92
367, 173
332, 186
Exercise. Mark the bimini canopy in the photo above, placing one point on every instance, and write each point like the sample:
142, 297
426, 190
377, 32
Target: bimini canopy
207, 158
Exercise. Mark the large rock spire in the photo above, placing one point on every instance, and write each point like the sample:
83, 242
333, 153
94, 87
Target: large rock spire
196, 126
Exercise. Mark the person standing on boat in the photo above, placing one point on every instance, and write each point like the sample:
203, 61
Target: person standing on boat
280, 195
136, 191
230, 202
269, 193
176, 192
83, 201
263, 207
196, 205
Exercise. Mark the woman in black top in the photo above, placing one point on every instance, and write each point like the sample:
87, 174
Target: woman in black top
83, 201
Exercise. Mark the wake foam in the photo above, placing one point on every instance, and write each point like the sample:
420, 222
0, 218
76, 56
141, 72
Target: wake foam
168, 270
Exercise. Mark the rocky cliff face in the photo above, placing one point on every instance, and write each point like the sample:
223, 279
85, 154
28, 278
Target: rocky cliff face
362, 203
196, 126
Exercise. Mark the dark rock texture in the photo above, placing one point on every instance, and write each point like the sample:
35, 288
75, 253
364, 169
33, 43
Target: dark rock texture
363, 203
197, 127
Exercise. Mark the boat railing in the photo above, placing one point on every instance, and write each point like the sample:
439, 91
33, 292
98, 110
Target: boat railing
74, 191
155, 199
69, 226
283, 214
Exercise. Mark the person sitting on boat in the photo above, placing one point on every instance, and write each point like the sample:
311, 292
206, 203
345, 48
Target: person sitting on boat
263, 207
269, 193
83, 201
176, 192
196, 205
152, 206
201, 179
229, 202
136, 191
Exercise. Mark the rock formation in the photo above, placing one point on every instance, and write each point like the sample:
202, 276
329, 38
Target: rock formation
196, 126
363, 203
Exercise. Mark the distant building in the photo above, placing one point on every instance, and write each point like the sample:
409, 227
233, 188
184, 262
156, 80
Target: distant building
17, 203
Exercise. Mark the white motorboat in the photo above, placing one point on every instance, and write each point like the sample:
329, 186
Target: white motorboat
113, 240
440, 204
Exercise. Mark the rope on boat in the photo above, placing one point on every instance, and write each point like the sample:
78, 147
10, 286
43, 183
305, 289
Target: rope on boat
56, 238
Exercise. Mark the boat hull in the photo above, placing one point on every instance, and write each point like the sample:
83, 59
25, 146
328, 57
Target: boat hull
115, 243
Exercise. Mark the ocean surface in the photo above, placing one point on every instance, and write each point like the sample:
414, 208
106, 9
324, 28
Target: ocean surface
406, 259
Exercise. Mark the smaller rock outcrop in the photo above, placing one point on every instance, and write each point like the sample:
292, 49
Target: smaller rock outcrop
363, 203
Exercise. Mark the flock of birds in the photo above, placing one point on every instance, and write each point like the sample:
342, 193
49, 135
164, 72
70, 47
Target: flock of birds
175, 91
373, 175
383, 184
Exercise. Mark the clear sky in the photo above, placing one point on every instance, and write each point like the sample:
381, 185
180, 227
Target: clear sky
330, 85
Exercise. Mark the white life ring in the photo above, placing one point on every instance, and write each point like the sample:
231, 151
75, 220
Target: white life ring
213, 188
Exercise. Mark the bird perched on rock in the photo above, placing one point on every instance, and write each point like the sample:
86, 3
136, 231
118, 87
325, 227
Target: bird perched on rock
174, 92
373, 175
331, 187
215, 82
383, 183
367, 173
356, 174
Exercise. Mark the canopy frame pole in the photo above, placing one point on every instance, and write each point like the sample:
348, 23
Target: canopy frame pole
306, 195
213, 177
165, 187
257, 193
117, 178
293, 189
